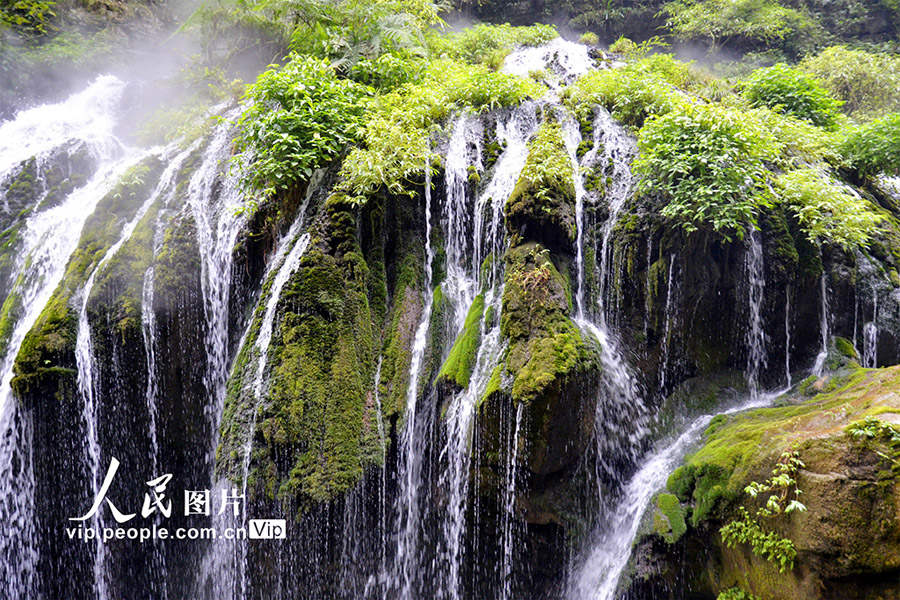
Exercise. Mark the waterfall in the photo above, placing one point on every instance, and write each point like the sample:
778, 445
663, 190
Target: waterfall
291, 248
84, 358
870, 336
621, 418
620, 395
819, 365
49, 237
509, 502
610, 554
214, 197
411, 443
756, 335
489, 239
465, 276
671, 316
787, 335
565, 59
382, 493
464, 151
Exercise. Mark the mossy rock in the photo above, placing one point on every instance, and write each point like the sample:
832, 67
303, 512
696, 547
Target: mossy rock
848, 484
542, 205
51, 342
669, 518
457, 369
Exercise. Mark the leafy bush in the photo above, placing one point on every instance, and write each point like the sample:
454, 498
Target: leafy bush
748, 530
397, 131
708, 163
31, 17
388, 71
299, 117
826, 209
490, 44
589, 38
868, 83
634, 92
875, 147
723, 21
793, 92
736, 593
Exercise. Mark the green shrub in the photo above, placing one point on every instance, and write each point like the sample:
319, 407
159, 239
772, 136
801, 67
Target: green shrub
388, 71
792, 92
826, 210
489, 44
708, 164
875, 147
736, 593
748, 530
397, 129
631, 93
589, 38
867, 83
723, 21
30, 17
300, 117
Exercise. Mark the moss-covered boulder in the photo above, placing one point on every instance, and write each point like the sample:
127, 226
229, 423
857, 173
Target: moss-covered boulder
847, 542
542, 205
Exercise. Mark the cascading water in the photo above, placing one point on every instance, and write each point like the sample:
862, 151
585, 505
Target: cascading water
509, 501
214, 196
671, 316
609, 559
50, 236
406, 569
756, 335
787, 336
84, 358
621, 418
464, 277
870, 336
819, 365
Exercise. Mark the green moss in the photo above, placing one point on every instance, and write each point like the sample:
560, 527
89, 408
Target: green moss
51, 342
738, 446
457, 369
494, 385
668, 519
543, 199
845, 348
545, 346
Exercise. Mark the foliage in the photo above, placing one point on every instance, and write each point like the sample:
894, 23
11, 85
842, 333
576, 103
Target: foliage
632, 93
636, 51
826, 209
708, 163
790, 91
721, 21
30, 17
347, 31
748, 530
868, 83
736, 593
388, 71
875, 147
342, 31
397, 130
548, 166
489, 44
589, 38
872, 428
299, 117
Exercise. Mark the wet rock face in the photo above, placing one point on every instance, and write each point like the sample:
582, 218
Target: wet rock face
848, 540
